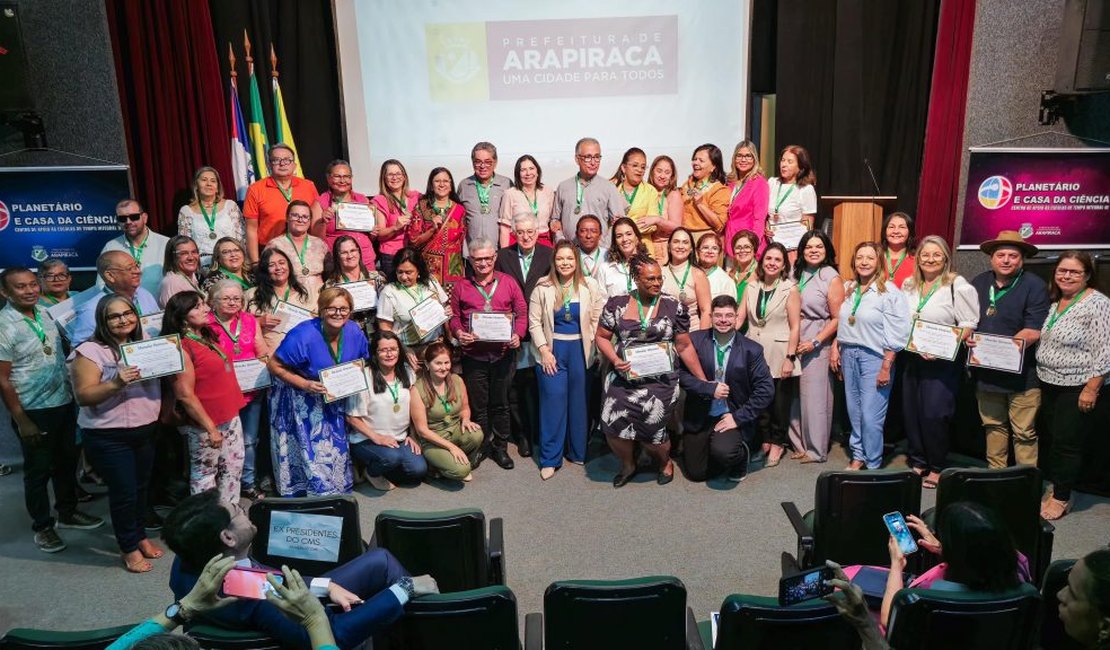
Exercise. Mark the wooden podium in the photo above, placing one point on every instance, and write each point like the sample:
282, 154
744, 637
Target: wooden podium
855, 219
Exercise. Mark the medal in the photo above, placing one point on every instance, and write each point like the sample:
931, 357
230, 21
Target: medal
851, 320
682, 296
304, 270
47, 350
396, 408
485, 209
236, 349
566, 315
991, 311
577, 209
211, 234
488, 306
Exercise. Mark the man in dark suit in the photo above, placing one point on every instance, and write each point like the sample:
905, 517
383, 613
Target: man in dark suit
371, 590
720, 416
525, 263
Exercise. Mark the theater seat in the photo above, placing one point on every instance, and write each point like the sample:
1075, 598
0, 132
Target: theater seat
449, 545
925, 619
345, 507
760, 623
457, 619
22, 638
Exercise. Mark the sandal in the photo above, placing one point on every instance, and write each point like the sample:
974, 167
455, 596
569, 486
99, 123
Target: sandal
798, 455
920, 471
930, 481
140, 565
1054, 509
150, 550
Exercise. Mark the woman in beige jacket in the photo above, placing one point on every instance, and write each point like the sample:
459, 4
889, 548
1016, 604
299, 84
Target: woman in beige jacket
562, 319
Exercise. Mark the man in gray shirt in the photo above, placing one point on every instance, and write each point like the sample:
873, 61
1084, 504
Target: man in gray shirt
585, 193
481, 194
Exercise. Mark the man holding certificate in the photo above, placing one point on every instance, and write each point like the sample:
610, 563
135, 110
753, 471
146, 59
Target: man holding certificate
1012, 306
489, 317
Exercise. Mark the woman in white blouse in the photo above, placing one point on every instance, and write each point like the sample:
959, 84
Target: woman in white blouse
378, 418
936, 294
528, 194
408, 285
792, 193
627, 242
210, 216
710, 260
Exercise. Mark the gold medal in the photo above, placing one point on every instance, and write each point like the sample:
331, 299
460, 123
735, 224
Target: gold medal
991, 311
682, 296
396, 408
211, 234
47, 350
851, 320
578, 210
485, 209
304, 270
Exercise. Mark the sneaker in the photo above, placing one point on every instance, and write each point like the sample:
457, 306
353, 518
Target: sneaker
79, 520
5, 469
152, 521
84, 496
49, 542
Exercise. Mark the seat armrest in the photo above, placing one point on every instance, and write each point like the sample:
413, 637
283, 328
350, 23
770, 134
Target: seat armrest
693, 635
1044, 550
533, 631
803, 531
496, 551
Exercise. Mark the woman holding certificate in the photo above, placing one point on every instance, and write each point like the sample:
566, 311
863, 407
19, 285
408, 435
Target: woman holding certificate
378, 418
642, 385
209, 397
349, 272
179, 268
306, 252
394, 207
945, 312
791, 197
748, 194
642, 199
682, 279
772, 310
710, 261
615, 276
562, 318
873, 326
438, 229
1073, 360
279, 301
440, 413
240, 337
705, 196
229, 262
403, 306
210, 216
118, 417
331, 207
528, 194
663, 176
312, 371
822, 292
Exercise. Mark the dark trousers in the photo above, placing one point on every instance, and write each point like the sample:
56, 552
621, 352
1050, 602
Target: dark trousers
775, 421
524, 404
1067, 430
124, 459
369, 577
51, 457
487, 387
706, 450
928, 404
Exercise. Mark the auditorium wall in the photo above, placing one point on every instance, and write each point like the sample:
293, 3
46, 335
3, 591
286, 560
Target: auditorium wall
1014, 57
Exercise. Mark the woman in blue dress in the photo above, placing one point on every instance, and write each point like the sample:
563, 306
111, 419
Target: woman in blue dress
308, 435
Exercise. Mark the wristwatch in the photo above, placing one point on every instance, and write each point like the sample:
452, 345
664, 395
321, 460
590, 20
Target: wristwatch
791, 357
816, 343
407, 584
177, 613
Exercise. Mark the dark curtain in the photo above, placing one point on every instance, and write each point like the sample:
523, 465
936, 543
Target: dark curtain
172, 98
303, 35
853, 85
940, 174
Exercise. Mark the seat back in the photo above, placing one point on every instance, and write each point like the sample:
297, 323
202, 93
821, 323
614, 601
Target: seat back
444, 620
848, 509
212, 637
22, 638
449, 545
312, 539
930, 618
760, 623
643, 613
1013, 493
1052, 628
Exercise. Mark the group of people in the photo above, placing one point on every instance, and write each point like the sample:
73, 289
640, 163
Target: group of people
651, 311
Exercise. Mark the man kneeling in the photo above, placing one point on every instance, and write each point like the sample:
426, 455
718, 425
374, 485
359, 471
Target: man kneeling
372, 589
719, 420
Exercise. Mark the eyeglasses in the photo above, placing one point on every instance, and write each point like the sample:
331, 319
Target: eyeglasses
118, 316
1070, 272
481, 260
530, 232
483, 163
281, 161
744, 249
55, 276
590, 158
745, 156
393, 175
341, 177
231, 299
337, 311
300, 217
192, 253
124, 218
134, 268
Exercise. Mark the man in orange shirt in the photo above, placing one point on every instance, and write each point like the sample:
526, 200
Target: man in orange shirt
267, 199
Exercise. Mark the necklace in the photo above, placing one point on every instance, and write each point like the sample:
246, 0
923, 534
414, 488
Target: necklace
39, 330
208, 344
994, 298
764, 300
682, 284
234, 336
645, 318
300, 253
394, 392
1058, 314
210, 221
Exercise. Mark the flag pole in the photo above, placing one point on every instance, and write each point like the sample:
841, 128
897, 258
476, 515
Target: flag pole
231, 62
273, 62
247, 47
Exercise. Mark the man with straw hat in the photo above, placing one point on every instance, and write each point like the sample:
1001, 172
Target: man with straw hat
1013, 304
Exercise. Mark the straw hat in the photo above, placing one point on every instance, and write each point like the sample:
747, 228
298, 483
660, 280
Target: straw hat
1009, 238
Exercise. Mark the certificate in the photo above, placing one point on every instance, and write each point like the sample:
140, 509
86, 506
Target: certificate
63, 312
155, 357
252, 374
152, 323
426, 316
492, 326
354, 216
940, 341
343, 380
648, 360
291, 316
789, 233
363, 292
996, 352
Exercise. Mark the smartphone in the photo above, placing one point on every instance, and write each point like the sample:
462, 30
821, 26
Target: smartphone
249, 583
805, 586
896, 524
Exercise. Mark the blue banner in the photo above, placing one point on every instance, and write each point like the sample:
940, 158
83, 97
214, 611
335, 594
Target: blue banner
63, 212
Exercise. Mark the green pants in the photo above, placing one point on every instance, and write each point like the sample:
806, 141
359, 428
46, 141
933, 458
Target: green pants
442, 460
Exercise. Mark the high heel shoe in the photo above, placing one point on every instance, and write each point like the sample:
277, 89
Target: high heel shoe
621, 480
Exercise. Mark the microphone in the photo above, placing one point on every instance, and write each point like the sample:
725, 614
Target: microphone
872, 173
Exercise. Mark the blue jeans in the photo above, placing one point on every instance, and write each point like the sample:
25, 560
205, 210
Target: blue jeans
251, 418
124, 458
563, 416
398, 464
866, 402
